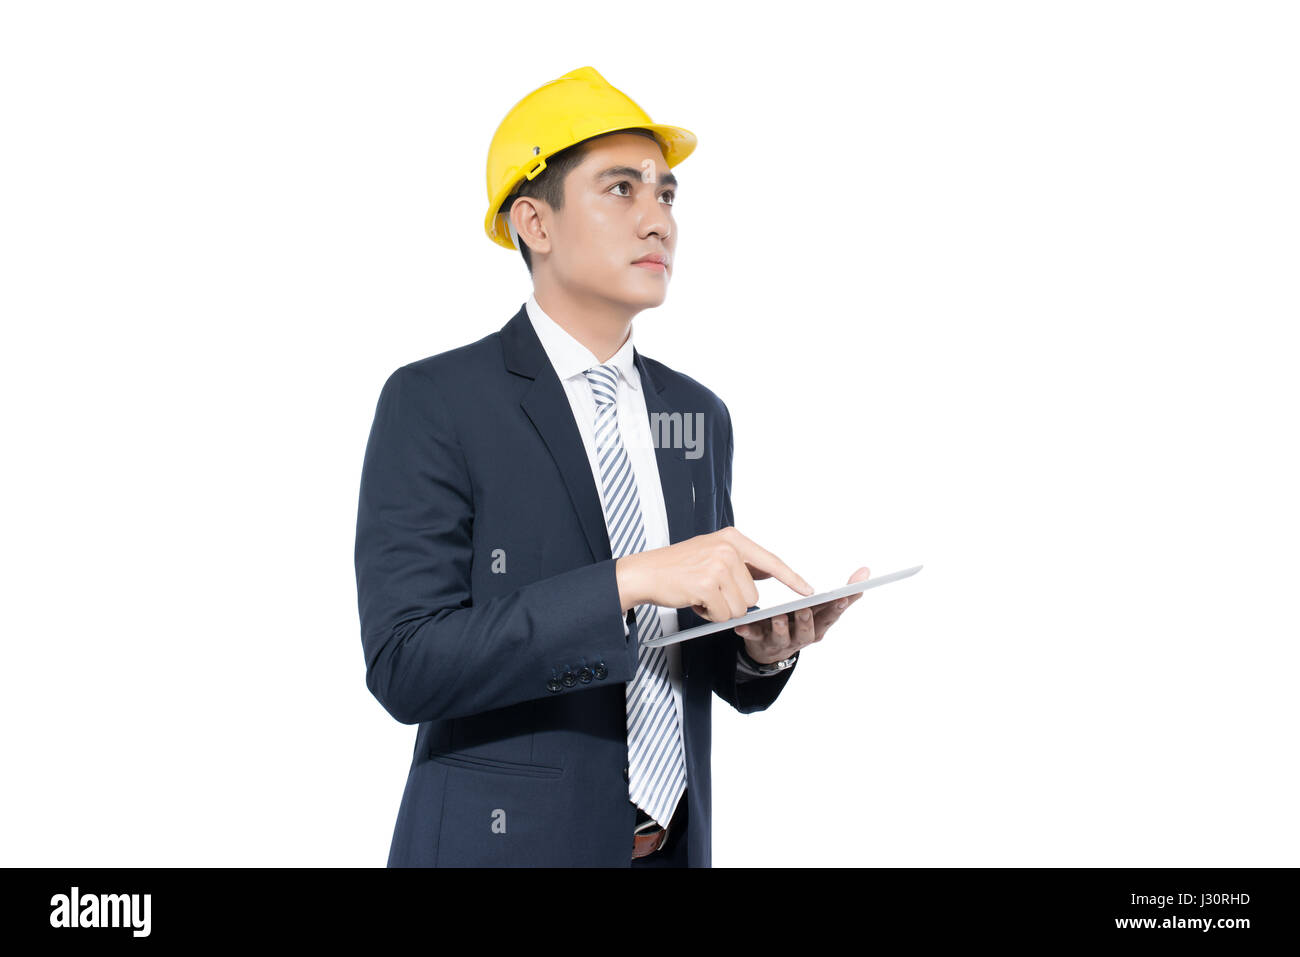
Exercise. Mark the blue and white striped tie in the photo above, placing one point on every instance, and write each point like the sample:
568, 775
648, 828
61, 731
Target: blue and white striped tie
656, 759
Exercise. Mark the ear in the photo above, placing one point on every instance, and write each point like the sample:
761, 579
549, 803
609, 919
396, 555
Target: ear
525, 220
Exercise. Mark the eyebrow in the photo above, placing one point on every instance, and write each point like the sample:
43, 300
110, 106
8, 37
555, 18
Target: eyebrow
668, 179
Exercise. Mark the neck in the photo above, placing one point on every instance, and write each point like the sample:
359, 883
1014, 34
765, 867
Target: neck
599, 324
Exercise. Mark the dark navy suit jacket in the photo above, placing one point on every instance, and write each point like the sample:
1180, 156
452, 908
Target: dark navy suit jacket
515, 670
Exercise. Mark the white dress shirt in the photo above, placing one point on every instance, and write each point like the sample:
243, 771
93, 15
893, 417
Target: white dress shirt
571, 359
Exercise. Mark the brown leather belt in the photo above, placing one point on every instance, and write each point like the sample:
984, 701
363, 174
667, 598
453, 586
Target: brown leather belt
648, 836
649, 840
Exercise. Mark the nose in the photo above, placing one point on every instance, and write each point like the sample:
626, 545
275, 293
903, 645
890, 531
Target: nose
655, 217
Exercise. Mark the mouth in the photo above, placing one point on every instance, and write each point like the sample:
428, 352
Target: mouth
656, 262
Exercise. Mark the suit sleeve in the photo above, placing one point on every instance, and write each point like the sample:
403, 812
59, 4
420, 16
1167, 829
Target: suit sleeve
731, 683
431, 650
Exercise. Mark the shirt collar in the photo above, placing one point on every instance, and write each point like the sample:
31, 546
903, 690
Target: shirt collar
569, 356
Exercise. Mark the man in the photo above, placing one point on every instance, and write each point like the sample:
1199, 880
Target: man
521, 531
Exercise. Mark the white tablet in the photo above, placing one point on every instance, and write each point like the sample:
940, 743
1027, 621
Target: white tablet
764, 613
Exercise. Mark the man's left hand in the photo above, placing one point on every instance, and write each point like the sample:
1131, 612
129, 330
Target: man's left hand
777, 638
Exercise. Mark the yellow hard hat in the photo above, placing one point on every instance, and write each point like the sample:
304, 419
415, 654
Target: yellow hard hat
575, 107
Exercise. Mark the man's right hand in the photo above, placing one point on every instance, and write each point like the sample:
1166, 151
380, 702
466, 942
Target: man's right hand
713, 574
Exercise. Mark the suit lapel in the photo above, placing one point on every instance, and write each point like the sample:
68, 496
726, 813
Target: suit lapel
674, 473
545, 403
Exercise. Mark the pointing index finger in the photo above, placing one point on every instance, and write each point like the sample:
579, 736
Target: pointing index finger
754, 554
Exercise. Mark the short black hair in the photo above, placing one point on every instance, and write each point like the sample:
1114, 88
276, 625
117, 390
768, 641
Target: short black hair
548, 185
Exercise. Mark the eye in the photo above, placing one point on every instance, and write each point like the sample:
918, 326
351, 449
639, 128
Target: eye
670, 193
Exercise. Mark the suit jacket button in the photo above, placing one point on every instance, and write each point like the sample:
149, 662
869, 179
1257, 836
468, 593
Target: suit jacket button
626, 776
584, 674
600, 671
553, 684
569, 679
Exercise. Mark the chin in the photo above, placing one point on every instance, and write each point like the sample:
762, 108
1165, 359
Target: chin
648, 299
652, 302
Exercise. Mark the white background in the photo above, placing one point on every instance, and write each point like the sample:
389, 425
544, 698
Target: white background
1007, 289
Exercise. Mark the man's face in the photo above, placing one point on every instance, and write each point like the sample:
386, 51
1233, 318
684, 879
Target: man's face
617, 209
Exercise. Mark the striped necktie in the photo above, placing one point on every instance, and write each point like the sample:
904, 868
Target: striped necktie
656, 759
